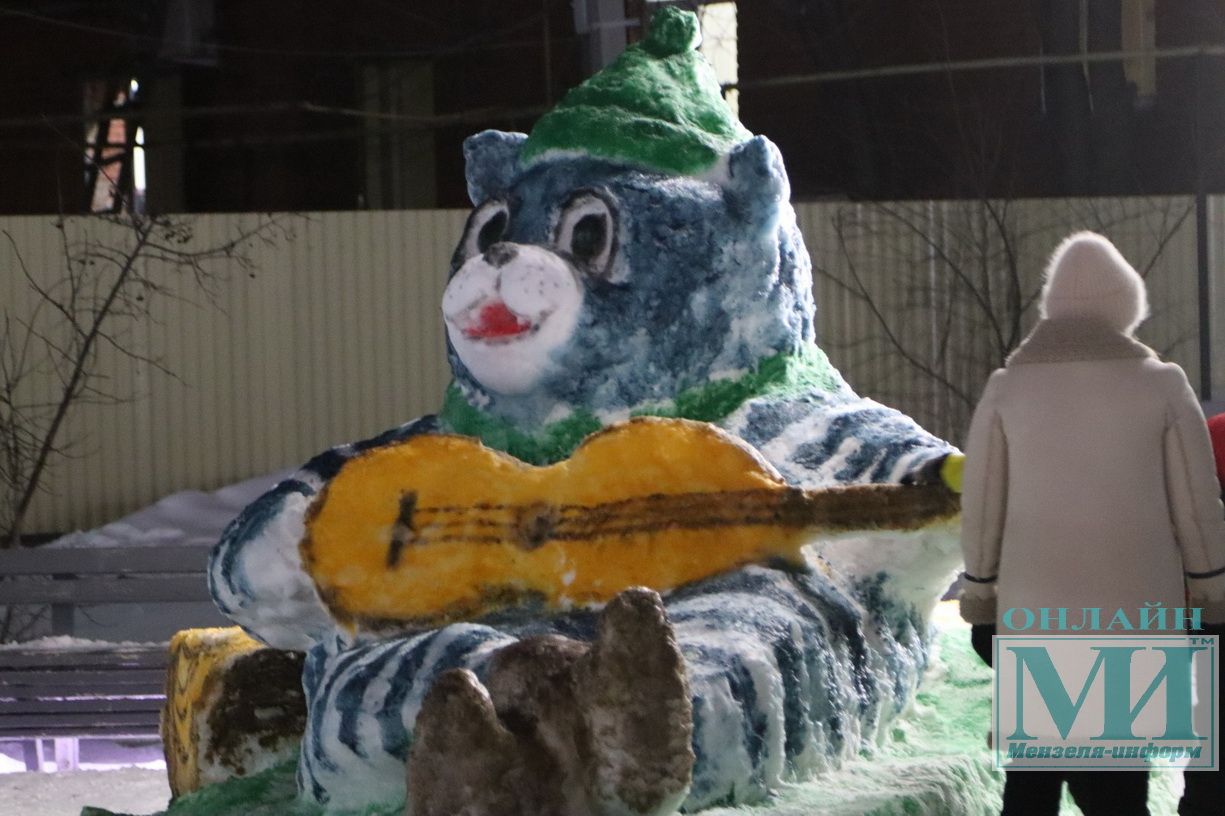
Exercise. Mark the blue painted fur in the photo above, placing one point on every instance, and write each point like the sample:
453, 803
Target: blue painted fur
711, 278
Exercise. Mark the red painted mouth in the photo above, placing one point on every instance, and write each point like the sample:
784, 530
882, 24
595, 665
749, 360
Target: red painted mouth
496, 322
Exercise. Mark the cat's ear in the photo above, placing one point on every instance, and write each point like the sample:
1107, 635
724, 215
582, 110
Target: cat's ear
757, 184
491, 162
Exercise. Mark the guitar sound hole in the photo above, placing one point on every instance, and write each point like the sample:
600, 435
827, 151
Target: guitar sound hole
535, 524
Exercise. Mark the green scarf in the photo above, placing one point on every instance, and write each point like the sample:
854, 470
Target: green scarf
780, 375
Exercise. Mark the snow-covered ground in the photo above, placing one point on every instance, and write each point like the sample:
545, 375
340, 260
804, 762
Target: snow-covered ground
118, 778
121, 776
123, 790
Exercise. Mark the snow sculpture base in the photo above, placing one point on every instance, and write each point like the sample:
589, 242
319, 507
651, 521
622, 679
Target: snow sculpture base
935, 761
234, 708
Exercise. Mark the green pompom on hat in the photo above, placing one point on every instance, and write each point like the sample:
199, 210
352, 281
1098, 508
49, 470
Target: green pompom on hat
657, 106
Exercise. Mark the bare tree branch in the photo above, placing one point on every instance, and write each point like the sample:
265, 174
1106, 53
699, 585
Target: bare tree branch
969, 277
114, 270
889, 333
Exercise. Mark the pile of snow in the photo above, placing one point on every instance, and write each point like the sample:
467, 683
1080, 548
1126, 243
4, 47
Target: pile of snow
68, 643
186, 518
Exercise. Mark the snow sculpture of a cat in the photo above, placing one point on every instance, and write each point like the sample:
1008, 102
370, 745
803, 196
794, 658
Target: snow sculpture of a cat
636, 255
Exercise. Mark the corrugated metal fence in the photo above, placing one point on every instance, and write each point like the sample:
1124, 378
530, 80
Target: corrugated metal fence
334, 333
919, 301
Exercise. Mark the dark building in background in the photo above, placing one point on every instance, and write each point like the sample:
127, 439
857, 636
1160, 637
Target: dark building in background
1006, 98
271, 105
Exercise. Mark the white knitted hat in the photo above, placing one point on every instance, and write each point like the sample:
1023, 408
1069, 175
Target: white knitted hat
1088, 277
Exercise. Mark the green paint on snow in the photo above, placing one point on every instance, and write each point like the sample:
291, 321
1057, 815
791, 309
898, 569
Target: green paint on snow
783, 375
780, 375
551, 443
658, 106
935, 761
272, 792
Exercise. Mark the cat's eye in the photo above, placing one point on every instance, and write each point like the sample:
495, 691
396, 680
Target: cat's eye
487, 225
587, 232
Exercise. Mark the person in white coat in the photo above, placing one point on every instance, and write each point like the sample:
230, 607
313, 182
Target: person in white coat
1089, 483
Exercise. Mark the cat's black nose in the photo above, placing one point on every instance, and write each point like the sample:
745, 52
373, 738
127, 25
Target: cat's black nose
500, 254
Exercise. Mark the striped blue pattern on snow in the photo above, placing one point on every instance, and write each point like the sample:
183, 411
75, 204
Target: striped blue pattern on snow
788, 673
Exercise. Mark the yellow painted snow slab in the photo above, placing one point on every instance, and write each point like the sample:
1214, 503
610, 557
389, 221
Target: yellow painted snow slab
233, 707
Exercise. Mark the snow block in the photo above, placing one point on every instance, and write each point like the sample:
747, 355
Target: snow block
562, 726
233, 707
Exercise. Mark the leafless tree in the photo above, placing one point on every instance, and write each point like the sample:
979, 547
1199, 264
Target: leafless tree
963, 280
113, 271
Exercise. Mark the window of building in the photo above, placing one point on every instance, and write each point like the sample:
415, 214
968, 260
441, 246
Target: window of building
114, 148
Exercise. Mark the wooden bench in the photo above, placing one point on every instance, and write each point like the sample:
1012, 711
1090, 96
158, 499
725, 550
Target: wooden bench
72, 689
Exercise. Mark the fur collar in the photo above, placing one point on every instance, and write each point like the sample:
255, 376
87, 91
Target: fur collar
1062, 340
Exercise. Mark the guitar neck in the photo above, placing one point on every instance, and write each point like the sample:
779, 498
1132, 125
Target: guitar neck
531, 525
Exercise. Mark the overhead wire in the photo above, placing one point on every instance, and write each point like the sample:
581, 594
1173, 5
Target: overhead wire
406, 120
463, 45
417, 121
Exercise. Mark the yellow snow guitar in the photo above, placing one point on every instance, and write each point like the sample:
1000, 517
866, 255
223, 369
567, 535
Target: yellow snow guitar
440, 528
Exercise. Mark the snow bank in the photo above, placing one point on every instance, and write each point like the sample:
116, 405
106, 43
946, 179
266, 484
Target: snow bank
67, 643
185, 518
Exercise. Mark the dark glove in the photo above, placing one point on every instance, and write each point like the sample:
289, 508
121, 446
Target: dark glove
980, 639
